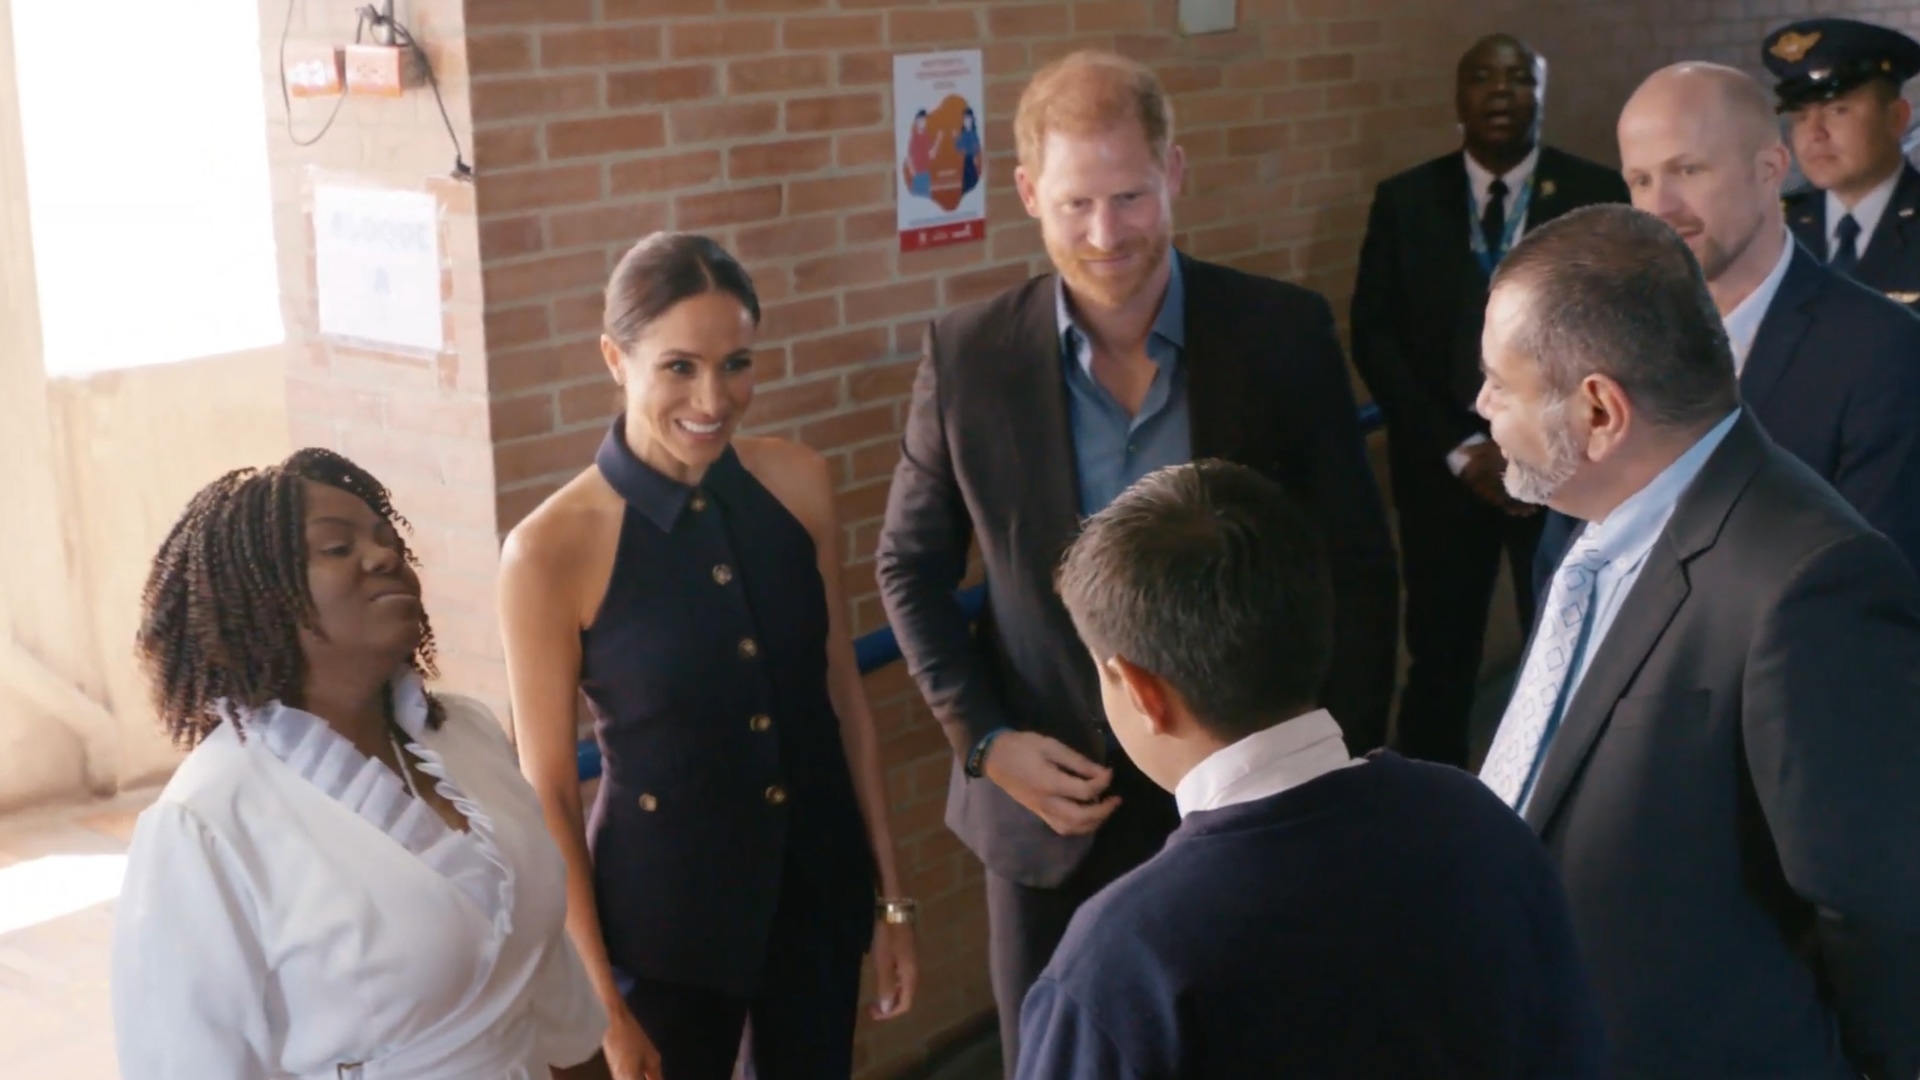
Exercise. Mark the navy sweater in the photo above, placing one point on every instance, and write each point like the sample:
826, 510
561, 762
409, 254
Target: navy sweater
1392, 919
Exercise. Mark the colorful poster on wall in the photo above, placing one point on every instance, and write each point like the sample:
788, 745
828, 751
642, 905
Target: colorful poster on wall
940, 184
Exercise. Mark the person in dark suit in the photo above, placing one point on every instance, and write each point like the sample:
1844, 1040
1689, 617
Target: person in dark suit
1839, 81
1203, 597
1716, 728
1829, 368
1034, 409
1434, 234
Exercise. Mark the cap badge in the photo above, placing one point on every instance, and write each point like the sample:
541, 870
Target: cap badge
1791, 46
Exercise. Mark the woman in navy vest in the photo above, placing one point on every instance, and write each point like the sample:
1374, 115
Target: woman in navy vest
689, 584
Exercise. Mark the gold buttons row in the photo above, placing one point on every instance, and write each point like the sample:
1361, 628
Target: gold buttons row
775, 795
749, 648
699, 502
722, 574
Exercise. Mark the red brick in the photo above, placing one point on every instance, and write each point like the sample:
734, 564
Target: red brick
579, 314
884, 382
775, 73
889, 301
835, 113
498, 54
1323, 131
841, 270
626, 134
531, 189
1325, 68
721, 37
1111, 16
794, 318
519, 417
816, 355
508, 327
549, 362
541, 95
1274, 72
727, 207
860, 504
1204, 110
664, 174
872, 462
524, 459
487, 13
863, 148
778, 404
720, 123
868, 226
976, 285
830, 32
774, 7
873, 68
1359, 32
661, 86
496, 147
618, 10
1256, 139
505, 238
513, 282
801, 236
599, 47
846, 428
1027, 20
620, 224
791, 157
839, 193
1188, 78
932, 26
589, 401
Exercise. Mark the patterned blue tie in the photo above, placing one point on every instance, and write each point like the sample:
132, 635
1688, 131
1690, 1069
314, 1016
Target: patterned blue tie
1513, 764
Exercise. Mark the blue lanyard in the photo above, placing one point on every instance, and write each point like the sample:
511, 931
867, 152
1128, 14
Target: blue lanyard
1491, 259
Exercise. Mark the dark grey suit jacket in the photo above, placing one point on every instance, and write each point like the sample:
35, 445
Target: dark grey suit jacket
1733, 797
988, 456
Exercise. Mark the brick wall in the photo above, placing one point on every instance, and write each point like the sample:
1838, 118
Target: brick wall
420, 424
765, 123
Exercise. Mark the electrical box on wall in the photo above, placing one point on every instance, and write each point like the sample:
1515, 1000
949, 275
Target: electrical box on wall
381, 70
314, 70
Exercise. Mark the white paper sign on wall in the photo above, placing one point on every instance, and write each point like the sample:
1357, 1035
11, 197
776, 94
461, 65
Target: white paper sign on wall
377, 268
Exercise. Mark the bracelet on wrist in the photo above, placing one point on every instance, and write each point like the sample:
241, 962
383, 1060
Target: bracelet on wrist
896, 911
977, 760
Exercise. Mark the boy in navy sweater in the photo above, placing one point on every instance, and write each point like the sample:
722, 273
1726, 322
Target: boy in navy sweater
1315, 915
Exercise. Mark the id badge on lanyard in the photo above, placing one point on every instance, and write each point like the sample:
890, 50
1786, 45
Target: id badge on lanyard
1491, 259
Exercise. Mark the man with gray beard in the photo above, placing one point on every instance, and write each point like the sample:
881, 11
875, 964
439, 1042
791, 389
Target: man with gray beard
1716, 727
1830, 368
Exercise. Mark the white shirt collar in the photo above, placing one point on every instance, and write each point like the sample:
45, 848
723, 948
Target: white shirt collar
1265, 763
1480, 179
1867, 213
1743, 322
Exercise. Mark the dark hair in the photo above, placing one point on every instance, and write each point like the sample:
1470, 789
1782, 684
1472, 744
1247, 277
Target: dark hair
1614, 291
664, 269
1211, 577
227, 595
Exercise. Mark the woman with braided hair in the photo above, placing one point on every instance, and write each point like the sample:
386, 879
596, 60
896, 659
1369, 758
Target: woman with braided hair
347, 876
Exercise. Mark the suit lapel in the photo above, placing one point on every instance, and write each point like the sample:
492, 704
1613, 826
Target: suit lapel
1888, 247
1217, 374
1647, 612
1550, 196
1042, 429
1785, 323
1453, 209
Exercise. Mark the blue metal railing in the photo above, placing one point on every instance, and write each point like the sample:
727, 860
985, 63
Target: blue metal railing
876, 650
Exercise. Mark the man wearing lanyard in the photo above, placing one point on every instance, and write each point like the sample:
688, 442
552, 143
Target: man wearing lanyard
1435, 234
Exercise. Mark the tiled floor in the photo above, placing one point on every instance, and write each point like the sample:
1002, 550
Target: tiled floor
54, 1014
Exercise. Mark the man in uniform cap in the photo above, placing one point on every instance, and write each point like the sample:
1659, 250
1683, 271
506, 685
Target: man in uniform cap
1839, 81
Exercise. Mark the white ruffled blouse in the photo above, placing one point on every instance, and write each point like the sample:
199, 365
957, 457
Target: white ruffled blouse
291, 911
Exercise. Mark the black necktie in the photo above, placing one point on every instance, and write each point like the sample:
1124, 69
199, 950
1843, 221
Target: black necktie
1493, 220
1844, 252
